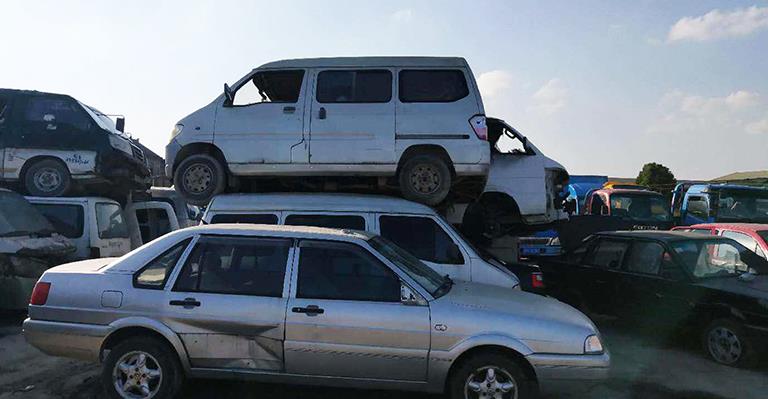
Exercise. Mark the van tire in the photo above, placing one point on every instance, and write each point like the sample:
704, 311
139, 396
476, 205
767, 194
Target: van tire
425, 178
199, 178
47, 178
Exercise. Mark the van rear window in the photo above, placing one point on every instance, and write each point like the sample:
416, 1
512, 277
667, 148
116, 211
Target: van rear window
432, 86
366, 86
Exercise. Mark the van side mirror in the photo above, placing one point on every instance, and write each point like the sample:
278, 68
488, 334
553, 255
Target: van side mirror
410, 298
120, 124
230, 97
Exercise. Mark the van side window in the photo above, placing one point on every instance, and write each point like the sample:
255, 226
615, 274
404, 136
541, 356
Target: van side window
110, 222
55, 112
331, 221
432, 86
236, 265
422, 237
156, 272
66, 219
257, 218
364, 86
270, 87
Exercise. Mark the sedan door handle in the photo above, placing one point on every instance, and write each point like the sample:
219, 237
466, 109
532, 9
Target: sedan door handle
186, 303
289, 110
311, 310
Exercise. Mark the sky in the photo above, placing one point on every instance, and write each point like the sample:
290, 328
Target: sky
600, 86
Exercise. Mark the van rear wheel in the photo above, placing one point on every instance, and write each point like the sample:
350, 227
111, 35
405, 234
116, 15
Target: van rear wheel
425, 178
47, 178
199, 178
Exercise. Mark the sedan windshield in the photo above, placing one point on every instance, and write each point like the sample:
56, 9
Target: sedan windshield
640, 207
718, 258
423, 274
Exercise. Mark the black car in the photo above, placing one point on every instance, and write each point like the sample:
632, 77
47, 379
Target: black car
671, 281
50, 141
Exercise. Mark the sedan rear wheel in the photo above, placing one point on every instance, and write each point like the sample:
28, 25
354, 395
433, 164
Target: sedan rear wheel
142, 368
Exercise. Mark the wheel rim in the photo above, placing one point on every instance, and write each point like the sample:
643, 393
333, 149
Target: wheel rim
425, 178
197, 178
724, 345
47, 179
490, 382
137, 375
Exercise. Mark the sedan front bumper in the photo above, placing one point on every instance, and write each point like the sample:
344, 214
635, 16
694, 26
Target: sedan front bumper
550, 367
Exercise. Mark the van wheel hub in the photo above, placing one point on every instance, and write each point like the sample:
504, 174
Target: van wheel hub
425, 179
47, 179
197, 178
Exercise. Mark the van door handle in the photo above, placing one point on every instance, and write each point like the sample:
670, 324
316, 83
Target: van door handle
321, 113
187, 303
311, 310
289, 110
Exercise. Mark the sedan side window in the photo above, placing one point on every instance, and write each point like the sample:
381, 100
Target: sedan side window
343, 271
645, 258
608, 254
237, 266
422, 237
743, 239
155, 274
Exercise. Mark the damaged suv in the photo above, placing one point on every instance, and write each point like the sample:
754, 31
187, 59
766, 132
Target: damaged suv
28, 247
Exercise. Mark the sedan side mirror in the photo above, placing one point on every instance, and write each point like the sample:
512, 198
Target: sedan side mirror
409, 297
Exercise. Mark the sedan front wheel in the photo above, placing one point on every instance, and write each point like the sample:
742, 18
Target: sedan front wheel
490, 376
726, 343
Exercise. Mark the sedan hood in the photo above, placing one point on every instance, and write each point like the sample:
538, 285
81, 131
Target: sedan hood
517, 303
756, 288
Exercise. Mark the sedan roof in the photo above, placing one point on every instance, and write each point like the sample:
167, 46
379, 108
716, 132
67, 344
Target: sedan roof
659, 235
743, 227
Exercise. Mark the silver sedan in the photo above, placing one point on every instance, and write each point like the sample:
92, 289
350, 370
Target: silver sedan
303, 305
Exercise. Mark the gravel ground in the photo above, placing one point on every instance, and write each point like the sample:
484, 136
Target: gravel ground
641, 369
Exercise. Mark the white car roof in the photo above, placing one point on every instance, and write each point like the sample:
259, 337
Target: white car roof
367, 62
69, 200
334, 202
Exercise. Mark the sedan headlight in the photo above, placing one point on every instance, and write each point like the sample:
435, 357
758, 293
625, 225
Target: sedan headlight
593, 345
177, 130
120, 143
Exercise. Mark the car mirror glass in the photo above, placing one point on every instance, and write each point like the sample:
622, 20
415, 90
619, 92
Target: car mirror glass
409, 297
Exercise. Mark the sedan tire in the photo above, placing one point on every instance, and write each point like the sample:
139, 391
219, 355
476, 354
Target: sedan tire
490, 375
142, 368
726, 342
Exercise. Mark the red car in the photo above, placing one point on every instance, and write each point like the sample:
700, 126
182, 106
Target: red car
751, 235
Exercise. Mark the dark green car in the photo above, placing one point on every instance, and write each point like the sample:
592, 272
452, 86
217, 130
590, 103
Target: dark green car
672, 282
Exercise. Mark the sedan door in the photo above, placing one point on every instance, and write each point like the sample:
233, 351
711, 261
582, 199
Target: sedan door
345, 317
228, 302
353, 117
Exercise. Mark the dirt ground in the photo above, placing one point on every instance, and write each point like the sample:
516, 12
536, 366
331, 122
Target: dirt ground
641, 369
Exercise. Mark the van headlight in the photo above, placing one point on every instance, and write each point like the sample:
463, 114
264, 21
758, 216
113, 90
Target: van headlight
120, 143
593, 346
177, 130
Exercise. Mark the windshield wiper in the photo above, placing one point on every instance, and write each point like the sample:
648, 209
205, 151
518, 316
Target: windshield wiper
445, 286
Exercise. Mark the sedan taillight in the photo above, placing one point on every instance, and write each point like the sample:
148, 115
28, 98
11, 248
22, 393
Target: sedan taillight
40, 294
537, 280
479, 126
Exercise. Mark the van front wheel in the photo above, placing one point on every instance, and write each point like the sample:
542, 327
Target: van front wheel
199, 178
47, 178
426, 179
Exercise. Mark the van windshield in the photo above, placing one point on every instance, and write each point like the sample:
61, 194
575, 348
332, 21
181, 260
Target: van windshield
109, 220
640, 207
743, 205
101, 119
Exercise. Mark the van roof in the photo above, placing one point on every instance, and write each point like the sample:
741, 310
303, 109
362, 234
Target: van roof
69, 200
338, 202
367, 62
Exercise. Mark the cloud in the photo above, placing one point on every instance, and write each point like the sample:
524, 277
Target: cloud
681, 113
758, 127
402, 16
718, 24
550, 98
494, 82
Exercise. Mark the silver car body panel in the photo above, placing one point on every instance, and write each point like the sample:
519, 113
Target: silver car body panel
355, 344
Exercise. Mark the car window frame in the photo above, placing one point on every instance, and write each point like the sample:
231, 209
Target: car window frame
190, 248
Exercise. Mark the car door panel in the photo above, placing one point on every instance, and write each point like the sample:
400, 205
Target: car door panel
351, 338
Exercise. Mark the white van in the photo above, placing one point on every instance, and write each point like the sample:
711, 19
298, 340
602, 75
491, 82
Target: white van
94, 224
417, 121
414, 227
